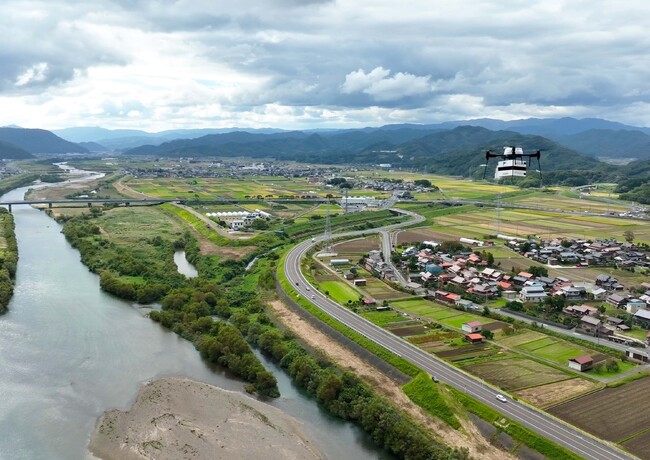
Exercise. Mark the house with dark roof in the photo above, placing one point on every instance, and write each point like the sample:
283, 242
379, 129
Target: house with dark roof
581, 363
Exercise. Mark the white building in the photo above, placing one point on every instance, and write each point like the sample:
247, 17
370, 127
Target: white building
532, 294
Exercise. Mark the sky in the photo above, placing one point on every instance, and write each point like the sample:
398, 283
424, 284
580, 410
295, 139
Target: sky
293, 64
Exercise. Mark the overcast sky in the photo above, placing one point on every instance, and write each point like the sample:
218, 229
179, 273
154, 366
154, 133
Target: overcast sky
168, 64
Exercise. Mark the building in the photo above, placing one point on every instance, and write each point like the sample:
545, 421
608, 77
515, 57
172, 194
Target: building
360, 282
474, 338
472, 326
532, 294
581, 363
337, 262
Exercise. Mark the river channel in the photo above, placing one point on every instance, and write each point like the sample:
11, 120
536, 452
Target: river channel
68, 352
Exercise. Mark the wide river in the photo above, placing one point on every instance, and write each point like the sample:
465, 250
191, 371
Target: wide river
68, 352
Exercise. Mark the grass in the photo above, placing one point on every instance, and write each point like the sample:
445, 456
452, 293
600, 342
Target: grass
519, 433
428, 395
340, 291
383, 318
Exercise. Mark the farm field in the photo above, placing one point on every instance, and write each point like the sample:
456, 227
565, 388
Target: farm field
358, 246
568, 203
233, 188
443, 315
545, 347
614, 414
516, 373
550, 394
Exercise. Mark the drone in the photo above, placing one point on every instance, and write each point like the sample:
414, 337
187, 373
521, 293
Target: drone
513, 164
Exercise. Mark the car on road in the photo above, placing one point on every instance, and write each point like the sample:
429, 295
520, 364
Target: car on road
501, 398
435, 379
307, 289
313, 297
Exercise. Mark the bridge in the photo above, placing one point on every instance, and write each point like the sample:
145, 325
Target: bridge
148, 201
88, 202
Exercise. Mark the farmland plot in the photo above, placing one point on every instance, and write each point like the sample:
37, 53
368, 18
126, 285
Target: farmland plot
614, 414
516, 373
545, 396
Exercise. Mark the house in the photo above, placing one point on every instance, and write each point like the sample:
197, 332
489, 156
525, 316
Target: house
572, 292
369, 301
633, 305
581, 363
579, 311
348, 275
616, 300
599, 293
472, 326
642, 317
590, 324
474, 338
532, 294
360, 282
509, 295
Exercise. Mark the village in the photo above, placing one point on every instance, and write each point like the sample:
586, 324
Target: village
467, 280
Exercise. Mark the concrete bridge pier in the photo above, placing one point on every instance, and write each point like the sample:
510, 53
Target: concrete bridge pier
9, 206
49, 205
90, 204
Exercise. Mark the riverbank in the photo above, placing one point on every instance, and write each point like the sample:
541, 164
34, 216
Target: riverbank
180, 418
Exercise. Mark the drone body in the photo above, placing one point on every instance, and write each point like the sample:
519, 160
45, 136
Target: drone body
512, 164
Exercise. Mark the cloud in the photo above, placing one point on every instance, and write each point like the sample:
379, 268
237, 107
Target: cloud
381, 87
177, 62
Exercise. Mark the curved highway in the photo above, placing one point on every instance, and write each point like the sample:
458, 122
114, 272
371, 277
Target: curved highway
540, 422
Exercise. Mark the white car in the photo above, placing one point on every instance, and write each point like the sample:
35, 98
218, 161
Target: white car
313, 297
502, 398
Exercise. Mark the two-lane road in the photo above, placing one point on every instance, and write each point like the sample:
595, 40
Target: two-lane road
540, 422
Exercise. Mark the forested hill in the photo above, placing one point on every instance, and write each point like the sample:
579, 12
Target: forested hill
10, 151
445, 151
38, 141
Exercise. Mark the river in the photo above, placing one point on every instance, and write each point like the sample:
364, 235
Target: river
68, 352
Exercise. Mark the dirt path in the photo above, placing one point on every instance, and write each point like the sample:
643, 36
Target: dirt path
469, 437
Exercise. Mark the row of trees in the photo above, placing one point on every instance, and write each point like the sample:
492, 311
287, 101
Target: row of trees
8, 258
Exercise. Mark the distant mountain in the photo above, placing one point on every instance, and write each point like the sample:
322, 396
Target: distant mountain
123, 139
458, 151
579, 134
610, 144
38, 141
94, 147
10, 151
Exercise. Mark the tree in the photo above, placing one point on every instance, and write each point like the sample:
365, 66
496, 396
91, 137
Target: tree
628, 235
537, 270
422, 183
488, 335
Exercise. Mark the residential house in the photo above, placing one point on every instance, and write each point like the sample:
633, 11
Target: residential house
579, 311
633, 305
642, 317
616, 300
532, 294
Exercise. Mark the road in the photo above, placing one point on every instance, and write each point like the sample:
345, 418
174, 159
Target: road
540, 422
387, 250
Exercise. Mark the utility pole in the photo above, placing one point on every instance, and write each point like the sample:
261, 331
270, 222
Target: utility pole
328, 229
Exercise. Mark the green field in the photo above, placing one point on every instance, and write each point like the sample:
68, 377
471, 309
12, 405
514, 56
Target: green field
340, 291
444, 315
383, 318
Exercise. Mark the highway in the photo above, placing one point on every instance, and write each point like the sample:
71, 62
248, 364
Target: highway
544, 424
